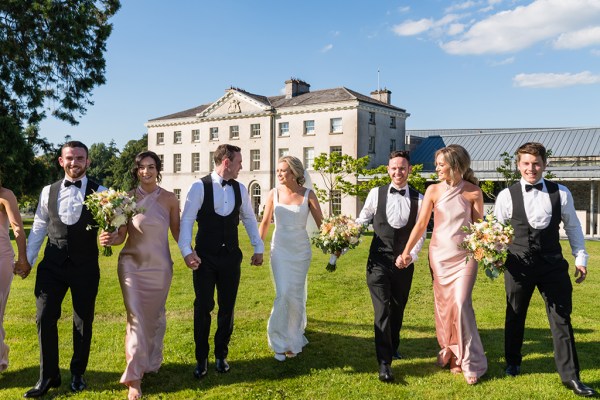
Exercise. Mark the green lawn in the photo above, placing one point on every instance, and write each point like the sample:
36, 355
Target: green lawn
338, 363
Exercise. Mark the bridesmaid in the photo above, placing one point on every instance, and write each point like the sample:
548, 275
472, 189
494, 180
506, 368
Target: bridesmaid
145, 270
456, 202
9, 214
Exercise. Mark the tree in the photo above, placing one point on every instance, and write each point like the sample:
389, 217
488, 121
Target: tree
52, 52
121, 169
102, 158
336, 168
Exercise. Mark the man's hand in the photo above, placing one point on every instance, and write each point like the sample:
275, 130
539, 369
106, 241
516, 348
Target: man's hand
581, 272
403, 261
257, 259
192, 261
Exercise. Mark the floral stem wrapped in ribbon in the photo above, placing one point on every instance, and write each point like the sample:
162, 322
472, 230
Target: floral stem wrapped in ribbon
487, 242
111, 209
337, 234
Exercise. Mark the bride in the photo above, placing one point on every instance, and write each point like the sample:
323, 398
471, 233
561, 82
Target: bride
290, 204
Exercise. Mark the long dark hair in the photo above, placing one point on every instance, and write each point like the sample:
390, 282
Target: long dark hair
138, 160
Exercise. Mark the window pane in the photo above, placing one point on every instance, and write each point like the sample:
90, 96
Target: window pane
284, 129
309, 127
336, 125
195, 135
336, 202
234, 132
195, 162
176, 162
160, 138
254, 160
309, 157
254, 130
214, 133
177, 137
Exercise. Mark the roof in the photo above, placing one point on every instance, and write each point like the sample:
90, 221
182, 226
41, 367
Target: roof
485, 148
310, 98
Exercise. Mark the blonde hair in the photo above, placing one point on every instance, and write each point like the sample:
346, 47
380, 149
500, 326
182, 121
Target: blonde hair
296, 167
459, 161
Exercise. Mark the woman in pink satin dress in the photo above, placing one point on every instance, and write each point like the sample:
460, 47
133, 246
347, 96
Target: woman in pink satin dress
456, 202
9, 215
145, 270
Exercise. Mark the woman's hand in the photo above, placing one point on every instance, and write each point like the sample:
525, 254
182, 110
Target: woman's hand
108, 238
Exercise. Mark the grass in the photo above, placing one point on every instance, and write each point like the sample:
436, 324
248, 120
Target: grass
338, 363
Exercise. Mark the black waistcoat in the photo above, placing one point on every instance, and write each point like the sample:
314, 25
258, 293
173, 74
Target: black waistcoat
215, 231
71, 241
529, 244
387, 239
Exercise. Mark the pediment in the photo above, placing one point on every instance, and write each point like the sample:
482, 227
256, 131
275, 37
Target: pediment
234, 104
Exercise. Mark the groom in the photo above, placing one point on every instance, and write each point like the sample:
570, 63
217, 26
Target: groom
535, 207
217, 202
70, 262
393, 209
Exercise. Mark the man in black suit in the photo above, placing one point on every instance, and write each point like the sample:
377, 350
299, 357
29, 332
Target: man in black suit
535, 207
393, 210
70, 262
217, 202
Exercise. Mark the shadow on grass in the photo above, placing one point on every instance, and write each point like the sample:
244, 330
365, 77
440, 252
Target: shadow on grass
329, 353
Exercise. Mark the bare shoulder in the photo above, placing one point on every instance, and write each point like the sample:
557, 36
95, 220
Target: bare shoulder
6, 194
472, 188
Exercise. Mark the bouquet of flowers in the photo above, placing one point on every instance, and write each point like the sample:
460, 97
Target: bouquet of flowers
337, 234
111, 209
487, 242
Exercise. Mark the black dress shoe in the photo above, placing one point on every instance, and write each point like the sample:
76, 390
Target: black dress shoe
579, 388
513, 370
78, 383
42, 386
385, 372
221, 365
397, 356
201, 369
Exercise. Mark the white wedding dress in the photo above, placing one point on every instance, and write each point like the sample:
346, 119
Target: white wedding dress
290, 259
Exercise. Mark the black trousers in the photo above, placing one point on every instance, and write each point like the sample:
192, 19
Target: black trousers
51, 285
389, 287
220, 271
554, 284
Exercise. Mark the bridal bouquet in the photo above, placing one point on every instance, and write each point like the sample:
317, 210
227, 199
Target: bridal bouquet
487, 242
111, 209
337, 234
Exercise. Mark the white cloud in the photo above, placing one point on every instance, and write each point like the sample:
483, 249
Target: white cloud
455, 29
411, 28
578, 39
403, 10
551, 80
490, 5
327, 48
524, 26
461, 6
506, 61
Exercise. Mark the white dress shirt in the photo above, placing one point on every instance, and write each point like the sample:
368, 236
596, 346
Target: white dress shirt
224, 202
397, 211
70, 204
539, 212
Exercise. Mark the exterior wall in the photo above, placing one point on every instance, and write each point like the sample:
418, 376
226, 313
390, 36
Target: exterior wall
355, 125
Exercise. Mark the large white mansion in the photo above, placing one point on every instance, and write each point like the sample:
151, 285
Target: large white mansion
300, 123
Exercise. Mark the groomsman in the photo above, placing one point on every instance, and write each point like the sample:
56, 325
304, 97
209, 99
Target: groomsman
393, 211
535, 207
217, 202
70, 262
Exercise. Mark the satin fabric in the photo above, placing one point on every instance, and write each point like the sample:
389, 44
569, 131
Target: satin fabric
290, 259
453, 281
145, 272
7, 257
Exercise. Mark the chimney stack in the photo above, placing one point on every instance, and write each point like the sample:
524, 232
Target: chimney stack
295, 87
382, 95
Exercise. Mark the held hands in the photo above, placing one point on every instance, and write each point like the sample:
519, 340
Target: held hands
580, 273
22, 268
403, 261
192, 261
257, 259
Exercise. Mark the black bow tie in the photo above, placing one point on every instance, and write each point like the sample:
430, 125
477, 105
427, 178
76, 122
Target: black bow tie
394, 190
69, 183
537, 186
224, 182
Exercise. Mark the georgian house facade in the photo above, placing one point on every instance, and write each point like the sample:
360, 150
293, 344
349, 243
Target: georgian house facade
299, 123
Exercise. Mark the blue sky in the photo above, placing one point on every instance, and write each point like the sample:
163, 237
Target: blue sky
450, 64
